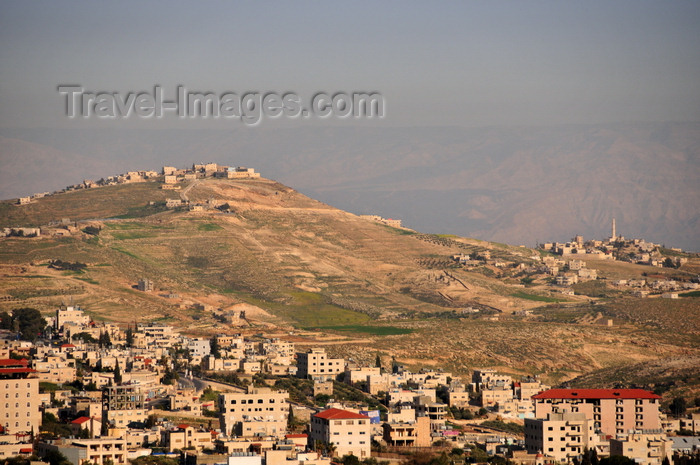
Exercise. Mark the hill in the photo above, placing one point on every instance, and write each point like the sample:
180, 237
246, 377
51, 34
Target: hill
516, 185
293, 263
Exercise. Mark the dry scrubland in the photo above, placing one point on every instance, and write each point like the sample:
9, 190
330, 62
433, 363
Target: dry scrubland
299, 263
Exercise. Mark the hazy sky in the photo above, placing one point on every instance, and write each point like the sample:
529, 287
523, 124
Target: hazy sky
462, 63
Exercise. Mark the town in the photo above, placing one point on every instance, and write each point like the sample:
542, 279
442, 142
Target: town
81, 392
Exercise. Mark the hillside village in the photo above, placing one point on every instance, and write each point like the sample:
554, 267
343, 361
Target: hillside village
104, 393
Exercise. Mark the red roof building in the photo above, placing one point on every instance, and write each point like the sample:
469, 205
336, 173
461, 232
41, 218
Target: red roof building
596, 394
338, 414
613, 411
348, 431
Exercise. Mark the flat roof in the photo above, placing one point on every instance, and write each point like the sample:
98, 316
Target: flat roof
596, 394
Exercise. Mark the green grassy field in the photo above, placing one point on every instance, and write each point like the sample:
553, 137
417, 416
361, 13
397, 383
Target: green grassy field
373, 330
537, 298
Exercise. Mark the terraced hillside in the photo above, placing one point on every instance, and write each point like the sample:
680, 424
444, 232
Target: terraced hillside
293, 263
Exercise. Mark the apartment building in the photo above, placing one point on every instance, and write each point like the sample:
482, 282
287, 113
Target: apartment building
613, 411
315, 364
409, 433
74, 315
94, 451
122, 405
348, 431
561, 436
643, 448
19, 397
258, 411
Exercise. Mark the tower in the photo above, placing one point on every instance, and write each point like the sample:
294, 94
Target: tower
614, 236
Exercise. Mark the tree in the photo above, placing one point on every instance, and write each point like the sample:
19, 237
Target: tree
678, 406
129, 337
104, 340
28, 322
350, 460
87, 337
378, 361
215, 350
5, 320
617, 460
117, 374
54, 457
586, 459
92, 230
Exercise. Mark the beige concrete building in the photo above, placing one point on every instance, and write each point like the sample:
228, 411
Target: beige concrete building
186, 436
613, 411
19, 397
495, 396
561, 436
408, 434
93, 451
348, 431
122, 405
74, 315
645, 449
259, 411
315, 364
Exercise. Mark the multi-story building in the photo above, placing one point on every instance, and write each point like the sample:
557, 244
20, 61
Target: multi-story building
94, 451
158, 334
186, 437
74, 315
643, 448
19, 397
562, 436
259, 411
408, 433
613, 411
315, 364
122, 405
348, 431
495, 396
486, 378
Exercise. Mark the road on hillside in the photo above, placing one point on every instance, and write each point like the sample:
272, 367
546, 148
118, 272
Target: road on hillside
183, 194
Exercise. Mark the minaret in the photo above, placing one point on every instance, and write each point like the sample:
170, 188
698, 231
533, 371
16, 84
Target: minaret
613, 237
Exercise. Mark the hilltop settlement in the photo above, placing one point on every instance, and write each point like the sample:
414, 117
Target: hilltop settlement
84, 391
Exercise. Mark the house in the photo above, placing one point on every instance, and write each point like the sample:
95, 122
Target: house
258, 411
315, 364
348, 431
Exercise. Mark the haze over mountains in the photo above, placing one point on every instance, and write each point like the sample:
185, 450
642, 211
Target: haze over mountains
516, 185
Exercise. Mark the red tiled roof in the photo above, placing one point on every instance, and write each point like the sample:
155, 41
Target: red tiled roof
26, 450
295, 436
338, 414
67, 346
183, 426
10, 362
80, 421
9, 371
596, 394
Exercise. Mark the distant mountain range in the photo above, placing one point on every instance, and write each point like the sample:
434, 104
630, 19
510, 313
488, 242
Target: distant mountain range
516, 185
